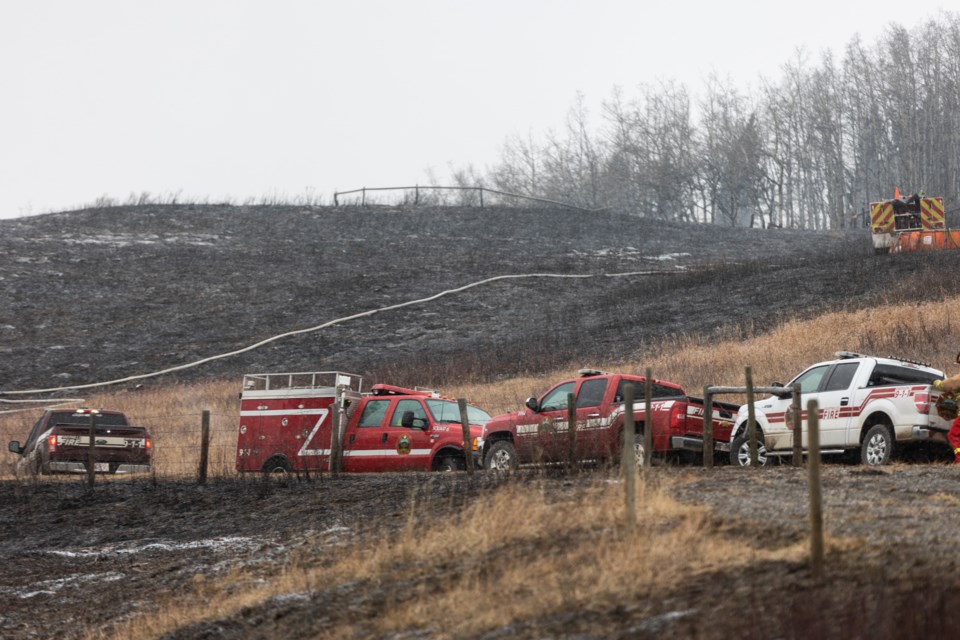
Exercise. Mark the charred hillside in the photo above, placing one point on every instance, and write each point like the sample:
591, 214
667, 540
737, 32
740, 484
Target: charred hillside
101, 294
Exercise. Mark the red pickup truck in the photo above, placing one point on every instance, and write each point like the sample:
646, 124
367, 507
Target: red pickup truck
287, 419
59, 443
541, 433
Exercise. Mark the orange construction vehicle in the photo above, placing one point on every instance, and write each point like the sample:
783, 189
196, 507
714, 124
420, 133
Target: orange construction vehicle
916, 223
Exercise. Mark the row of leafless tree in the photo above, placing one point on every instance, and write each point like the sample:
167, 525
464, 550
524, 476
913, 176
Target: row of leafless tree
809, 149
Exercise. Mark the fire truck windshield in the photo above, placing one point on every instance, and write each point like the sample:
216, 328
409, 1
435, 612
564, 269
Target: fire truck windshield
449, 411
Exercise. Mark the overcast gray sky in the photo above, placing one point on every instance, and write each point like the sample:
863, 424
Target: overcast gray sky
250, 98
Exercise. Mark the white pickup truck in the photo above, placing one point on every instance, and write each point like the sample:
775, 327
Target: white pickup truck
865, 403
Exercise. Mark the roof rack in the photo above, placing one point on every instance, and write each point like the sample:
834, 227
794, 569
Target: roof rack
844, 355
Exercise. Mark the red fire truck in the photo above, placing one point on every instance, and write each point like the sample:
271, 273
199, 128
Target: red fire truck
287, 425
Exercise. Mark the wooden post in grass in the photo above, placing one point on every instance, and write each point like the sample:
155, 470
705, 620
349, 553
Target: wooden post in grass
797, 432
707, 427
647, 419
336, 442
204, 445
92, 449
751, 420
816, 499
467, 440
628, 459
572, 429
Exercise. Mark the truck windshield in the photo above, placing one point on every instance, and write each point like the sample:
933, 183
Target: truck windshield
449, 411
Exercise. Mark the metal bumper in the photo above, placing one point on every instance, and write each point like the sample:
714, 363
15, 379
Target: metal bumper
55, 466
686, 443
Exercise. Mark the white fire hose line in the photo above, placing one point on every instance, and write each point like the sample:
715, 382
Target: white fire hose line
331, 323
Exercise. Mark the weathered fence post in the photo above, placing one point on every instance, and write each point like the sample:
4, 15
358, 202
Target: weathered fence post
797, 430
204, 445
572, 429
647, 419
816, 499
751, 420
628, 459
336, 443
336, 202
91, 448
481, 197
707, 427
467, 440
416, 194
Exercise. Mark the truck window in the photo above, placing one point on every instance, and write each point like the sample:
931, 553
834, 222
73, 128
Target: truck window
810, 380
658, 391
103, 419
449, 412
591, 393
556, 399
408, 405
887, 375
373, 413
842, 376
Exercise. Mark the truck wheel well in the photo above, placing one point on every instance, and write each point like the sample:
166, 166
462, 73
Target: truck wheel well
499, 435
277, 464
446, 452
875, 419
743, 429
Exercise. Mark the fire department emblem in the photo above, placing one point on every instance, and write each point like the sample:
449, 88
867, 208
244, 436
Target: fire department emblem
545, 426
403, 445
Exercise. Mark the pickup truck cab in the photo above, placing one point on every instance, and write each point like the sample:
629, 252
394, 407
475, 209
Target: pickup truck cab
287, 419
541, 433
869, 404
59, 443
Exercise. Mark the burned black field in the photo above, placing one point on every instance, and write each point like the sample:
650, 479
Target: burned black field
102, 294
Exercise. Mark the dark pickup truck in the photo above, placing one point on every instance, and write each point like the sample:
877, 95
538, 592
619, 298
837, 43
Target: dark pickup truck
59, 442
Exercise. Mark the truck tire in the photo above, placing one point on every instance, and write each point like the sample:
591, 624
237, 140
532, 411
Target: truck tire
501, 457
278, 465
877, 445
740, 451
451, 463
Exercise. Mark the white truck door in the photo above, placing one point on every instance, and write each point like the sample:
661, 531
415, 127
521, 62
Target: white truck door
835, 399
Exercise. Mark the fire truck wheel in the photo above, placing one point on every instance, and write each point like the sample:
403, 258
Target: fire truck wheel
877, 445
740, 451
451, 463
501, 457
278, 465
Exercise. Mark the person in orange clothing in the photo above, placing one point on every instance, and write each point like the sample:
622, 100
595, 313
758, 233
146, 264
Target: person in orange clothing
950, 386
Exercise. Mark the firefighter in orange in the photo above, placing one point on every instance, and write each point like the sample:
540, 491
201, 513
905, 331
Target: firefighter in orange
947, 408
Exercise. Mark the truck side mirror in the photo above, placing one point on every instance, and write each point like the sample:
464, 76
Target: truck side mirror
14, 446
409, 421
776, 384
532, 404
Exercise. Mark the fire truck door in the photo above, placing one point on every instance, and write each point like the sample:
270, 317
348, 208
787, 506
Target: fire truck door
409, 447
551, 439
361, 442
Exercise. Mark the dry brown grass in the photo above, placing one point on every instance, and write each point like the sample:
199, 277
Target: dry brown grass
518, 554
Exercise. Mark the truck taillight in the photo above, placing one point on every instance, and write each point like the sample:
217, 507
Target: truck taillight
922, 400
147, 443
678, 415
52, 443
